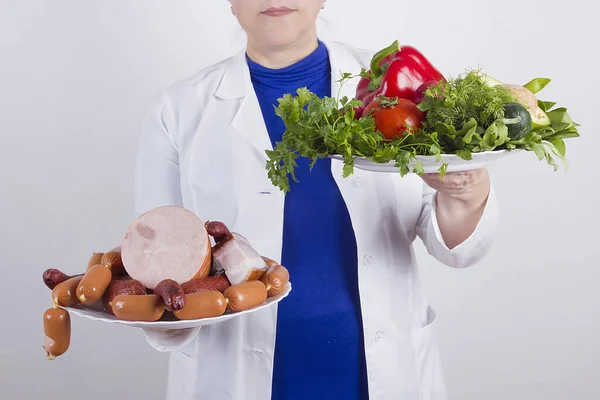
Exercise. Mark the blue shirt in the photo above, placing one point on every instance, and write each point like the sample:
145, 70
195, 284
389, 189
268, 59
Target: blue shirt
319, 351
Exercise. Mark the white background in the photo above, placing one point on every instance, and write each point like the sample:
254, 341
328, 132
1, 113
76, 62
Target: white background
76, 78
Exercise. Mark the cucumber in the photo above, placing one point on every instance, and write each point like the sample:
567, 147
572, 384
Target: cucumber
490, 81
539, 118
517, 119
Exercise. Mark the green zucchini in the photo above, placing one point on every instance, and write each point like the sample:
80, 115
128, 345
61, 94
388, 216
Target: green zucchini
517, 119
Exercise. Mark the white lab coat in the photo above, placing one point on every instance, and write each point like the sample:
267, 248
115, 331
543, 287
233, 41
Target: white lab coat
203, 147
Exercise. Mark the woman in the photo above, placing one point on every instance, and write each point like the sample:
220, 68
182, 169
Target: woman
356, 324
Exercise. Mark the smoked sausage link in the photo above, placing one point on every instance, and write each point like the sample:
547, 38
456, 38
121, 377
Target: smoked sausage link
113, 261
245, 295
65, 293
203, 305
276, 279
95, 259
57, 330
146, 307
219, 282
94, 284
171, 293
53, 277
118, 287
217, 230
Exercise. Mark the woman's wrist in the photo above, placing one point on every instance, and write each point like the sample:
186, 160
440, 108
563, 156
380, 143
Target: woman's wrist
458, 214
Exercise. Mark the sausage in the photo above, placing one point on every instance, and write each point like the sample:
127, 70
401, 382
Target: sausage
53, 277
57, 330
65, 293
119, 286
95, 259
217, 230
113, 261
245, 295
270, 263
219, 283
276, 278
145, 307
171, 293
203, 305
94, 284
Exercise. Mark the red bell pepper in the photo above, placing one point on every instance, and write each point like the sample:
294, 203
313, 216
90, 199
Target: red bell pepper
396, 71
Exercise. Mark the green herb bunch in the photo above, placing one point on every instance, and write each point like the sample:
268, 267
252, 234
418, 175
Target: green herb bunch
463, 116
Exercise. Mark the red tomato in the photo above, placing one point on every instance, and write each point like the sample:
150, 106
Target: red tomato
393, 119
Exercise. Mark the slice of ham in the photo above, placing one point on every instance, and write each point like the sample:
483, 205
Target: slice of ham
168, 242
240, 261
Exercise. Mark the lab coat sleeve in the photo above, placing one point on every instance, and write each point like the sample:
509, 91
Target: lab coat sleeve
157, 184
157, 163
470, 251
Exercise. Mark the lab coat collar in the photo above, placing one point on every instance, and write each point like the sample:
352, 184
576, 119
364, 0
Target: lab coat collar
236, 82
248, 121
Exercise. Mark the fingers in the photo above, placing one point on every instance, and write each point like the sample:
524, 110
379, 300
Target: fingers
455, 182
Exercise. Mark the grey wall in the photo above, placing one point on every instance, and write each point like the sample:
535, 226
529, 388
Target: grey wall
77, 77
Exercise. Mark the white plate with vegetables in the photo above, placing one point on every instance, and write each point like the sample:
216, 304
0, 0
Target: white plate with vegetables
428, 126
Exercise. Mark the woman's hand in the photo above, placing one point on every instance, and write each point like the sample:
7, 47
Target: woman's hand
170, 339
461, 200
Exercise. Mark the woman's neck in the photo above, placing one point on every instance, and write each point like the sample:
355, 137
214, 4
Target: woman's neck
282, 56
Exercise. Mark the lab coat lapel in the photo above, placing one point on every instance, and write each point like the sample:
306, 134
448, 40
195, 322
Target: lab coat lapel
248, 121
341, 62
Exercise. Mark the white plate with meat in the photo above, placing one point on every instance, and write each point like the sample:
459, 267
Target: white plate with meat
167, 275
178, 278
431, 165
169, 321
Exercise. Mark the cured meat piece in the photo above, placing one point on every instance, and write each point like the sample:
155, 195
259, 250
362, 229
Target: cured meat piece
57, 328
203, 305
276, 279
171, 293
211, 283
216, 268
217, 230
120, 286
113, 261
239, 260
95, 260
168, 242
53, 277
65, 293
94, 284
245, 295
145, 307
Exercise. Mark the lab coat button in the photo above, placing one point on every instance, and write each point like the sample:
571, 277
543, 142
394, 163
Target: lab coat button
368, 259
379, 336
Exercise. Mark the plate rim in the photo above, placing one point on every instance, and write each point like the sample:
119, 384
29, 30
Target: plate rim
165, 325
432, 157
